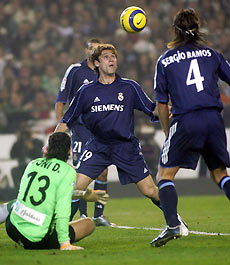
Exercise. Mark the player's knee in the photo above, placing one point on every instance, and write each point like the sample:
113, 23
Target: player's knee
90, 224
102, 178
82, 181
151, 192
218, 174
167, 173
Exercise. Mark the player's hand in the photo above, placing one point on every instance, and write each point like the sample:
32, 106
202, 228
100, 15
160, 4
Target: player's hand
170, 112
103, 197
96, 196
67, 246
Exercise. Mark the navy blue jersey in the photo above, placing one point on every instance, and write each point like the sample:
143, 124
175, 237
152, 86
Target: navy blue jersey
75, 76
107, 109
189, 76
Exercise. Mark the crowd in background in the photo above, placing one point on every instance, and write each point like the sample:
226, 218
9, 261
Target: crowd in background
39, 39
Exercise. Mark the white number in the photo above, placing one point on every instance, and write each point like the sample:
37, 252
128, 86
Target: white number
86, 155
77, 147
197, 78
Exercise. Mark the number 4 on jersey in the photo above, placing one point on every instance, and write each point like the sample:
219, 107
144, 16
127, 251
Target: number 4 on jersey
194, 71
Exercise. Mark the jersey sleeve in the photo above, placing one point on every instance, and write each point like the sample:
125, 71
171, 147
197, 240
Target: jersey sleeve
143, 102
66, 85
224, 70
63, 206
160, 83
75, 109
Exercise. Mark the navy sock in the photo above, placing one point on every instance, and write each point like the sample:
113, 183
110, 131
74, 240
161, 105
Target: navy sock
83, 207
225, 185
99, 208
74, 208
157, 203
168, 199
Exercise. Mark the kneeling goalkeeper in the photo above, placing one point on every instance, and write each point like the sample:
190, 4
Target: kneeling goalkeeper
40, 216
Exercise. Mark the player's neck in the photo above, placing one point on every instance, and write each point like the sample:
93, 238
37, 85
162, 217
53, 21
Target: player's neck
107, 79
90, 64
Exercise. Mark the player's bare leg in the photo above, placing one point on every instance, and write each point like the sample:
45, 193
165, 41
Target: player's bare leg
82, 182
148, 188
82, 228
220, 176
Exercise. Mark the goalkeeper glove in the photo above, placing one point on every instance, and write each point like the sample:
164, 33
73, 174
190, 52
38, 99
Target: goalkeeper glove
91, 195
67, 246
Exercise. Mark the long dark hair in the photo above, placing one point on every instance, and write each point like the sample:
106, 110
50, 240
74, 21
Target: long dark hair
58, 146
187, 29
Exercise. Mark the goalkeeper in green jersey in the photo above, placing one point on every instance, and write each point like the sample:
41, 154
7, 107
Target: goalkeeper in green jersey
39, 218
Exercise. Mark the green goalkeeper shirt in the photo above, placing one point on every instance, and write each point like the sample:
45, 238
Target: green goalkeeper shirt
44, 199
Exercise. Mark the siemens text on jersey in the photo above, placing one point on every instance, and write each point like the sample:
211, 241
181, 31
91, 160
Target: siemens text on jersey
177, 57
107, 107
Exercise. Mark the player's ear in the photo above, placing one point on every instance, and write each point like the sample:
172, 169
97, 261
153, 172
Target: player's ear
70, 151
96, 63
45, 149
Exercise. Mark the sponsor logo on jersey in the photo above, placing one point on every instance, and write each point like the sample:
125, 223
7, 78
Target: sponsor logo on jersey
108, 107
86, 81
28, 214
96, 99
120, 96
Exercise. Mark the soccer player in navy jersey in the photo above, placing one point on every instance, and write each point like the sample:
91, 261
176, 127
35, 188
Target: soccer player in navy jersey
107, 108
188, 73
75, 76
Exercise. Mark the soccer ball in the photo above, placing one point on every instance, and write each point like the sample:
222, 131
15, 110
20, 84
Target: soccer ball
133, 19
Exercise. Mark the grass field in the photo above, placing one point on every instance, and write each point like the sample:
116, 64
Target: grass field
131, 246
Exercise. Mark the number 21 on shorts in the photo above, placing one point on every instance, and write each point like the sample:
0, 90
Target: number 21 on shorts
194, 76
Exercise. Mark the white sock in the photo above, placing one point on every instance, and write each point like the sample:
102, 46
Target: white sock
3, 213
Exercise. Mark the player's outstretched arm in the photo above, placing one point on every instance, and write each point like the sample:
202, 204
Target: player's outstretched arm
91, 195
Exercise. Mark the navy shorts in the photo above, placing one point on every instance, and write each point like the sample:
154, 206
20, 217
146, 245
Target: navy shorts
79, 136
50, 240
125, 155
200, 132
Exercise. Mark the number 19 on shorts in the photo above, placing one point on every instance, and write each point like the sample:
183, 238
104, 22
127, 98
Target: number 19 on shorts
85, 156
